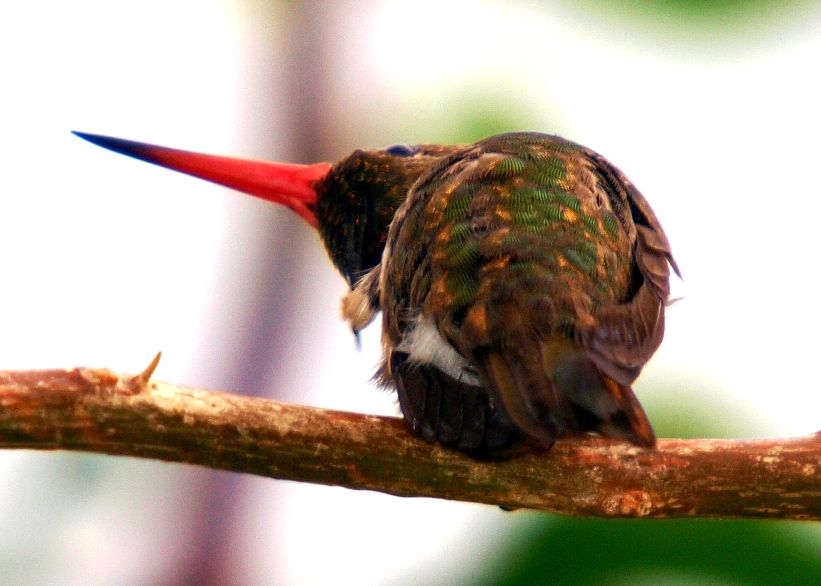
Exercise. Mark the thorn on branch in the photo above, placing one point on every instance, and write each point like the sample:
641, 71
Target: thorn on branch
139, 382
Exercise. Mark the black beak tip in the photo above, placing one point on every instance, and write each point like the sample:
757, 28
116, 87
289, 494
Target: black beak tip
130, 148
92, 138
108, 142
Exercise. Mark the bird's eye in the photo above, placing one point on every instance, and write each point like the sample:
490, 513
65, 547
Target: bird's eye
402, 150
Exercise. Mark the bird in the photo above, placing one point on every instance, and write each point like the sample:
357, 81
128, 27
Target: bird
522, 280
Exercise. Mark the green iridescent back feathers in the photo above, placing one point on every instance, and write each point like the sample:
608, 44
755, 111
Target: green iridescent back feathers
538, 261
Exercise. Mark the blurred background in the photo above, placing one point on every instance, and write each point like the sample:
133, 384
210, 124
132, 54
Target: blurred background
711, 108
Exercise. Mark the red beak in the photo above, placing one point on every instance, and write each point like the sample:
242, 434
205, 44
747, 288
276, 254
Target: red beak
289, 184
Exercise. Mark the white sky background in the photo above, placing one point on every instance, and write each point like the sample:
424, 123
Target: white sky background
106, 260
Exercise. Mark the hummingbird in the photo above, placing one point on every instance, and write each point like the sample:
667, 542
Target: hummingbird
522, 280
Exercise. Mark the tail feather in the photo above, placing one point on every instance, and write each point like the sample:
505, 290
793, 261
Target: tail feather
629, 421
559, 392
514, 392
438, 407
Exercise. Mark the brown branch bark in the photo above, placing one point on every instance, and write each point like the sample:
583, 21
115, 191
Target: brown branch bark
100, 411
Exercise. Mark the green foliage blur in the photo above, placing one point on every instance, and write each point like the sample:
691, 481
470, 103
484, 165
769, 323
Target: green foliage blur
553, 550
704, 20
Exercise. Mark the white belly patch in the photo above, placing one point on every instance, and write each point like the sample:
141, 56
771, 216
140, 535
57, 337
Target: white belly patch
425, 345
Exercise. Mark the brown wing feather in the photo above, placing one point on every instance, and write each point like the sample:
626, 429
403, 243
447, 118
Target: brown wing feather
626, 335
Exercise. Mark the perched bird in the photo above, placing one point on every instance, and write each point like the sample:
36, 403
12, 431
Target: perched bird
522, 280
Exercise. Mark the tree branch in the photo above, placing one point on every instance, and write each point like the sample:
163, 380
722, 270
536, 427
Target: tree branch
100, 411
